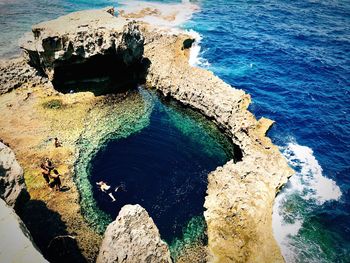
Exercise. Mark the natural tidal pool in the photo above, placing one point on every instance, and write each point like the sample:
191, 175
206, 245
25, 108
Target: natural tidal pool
163, 166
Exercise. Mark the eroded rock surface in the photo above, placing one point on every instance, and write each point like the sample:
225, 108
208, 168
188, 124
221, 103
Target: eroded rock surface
240, 195
16, 244
133, 237
12, 186
79, 36
17, 73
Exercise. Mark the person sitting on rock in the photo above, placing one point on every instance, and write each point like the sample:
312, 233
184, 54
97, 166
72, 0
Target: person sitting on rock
46, 173
57, 143
48, 165
56, 183
104, 187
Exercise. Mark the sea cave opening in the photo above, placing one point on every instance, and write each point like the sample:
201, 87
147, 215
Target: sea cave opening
100, 74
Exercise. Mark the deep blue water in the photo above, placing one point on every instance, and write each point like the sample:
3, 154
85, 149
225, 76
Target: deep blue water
163, 167
293, 58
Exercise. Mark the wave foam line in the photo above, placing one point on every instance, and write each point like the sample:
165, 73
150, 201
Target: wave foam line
310, 185
160, 14
195, 51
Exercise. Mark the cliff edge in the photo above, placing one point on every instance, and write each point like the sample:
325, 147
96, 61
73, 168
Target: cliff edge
240, 194
12, 187
16, 243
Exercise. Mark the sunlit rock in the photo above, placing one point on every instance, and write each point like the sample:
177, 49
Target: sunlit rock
133, 237
12, 186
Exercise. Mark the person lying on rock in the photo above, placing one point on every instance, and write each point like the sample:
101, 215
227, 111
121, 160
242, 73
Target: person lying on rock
57, 143
104, 187
56, 182
46, 173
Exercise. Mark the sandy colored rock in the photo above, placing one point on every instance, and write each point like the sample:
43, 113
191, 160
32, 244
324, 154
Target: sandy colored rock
16, 244
17, 73
133, 237
12, 186
79, 36
240, 195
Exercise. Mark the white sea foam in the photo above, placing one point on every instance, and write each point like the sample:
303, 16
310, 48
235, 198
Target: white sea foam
164, 15
170, 17
195, 52
309, 184
311, 181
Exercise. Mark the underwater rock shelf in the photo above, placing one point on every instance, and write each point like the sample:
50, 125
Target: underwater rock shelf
240, 194
163, 167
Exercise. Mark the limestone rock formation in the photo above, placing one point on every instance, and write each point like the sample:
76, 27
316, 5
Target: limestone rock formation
133, 237
240, 195
79, 36
12, 186
16, 244
17, 73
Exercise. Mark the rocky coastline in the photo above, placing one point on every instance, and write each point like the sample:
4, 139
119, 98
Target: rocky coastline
240, 194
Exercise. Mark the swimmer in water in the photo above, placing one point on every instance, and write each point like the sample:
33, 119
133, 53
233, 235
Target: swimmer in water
104, 187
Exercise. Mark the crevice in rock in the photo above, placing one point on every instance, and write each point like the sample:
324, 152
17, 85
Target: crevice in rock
238, 153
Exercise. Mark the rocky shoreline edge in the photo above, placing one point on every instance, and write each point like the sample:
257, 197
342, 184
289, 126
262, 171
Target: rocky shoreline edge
240, 194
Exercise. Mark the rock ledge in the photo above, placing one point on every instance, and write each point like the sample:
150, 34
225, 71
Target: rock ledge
133, 237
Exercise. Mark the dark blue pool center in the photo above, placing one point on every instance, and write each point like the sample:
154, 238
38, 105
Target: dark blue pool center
164, 167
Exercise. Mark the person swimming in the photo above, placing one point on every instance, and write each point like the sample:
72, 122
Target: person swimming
104, 187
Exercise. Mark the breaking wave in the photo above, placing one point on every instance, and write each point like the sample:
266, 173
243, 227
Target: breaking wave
160, 14
170, 17
305, 190
196, 60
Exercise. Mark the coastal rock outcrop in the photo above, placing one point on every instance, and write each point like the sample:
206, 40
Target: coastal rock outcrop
133, 237
16, 244
240, 195
16, 73
76, 37
12, 186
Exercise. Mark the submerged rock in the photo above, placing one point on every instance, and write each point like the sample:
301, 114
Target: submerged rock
12, 186
16, 243
133, 237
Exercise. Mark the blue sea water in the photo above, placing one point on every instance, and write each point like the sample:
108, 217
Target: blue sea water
293, 58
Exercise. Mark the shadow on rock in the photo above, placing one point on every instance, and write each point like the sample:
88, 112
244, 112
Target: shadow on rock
49, 233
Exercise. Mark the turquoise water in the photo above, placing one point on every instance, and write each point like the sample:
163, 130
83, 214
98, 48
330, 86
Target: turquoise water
293, 58
163, 167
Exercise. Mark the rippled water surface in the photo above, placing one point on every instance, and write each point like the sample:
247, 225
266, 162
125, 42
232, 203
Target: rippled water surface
293, 58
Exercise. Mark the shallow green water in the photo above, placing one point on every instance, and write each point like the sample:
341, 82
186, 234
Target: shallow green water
161, 153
